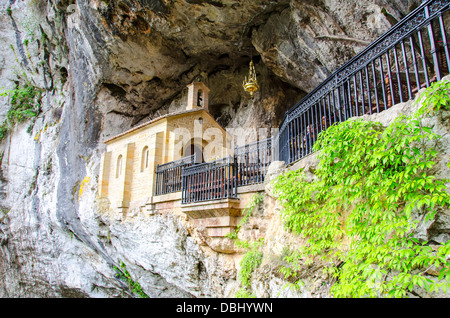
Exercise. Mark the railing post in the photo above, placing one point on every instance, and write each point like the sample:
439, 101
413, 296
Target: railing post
444, 40
236, 160
235, 176
289, 141
369, 95
377, 101
339, 102
399, 80
183, 186
156, 182
405, 62
437, 69
234, 179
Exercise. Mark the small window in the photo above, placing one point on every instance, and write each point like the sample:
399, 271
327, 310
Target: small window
199, 98
144, 158
119, 166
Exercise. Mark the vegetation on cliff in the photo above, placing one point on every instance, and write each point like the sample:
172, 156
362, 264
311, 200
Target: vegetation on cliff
25, 103
374, 186
253, 256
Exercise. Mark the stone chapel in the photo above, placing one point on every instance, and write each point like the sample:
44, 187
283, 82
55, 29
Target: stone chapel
127, 173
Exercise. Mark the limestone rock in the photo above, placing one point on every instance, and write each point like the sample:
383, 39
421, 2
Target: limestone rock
313, 37
105, 66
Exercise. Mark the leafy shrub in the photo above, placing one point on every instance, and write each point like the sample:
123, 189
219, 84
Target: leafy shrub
243, 293
373, 188
3, 130
25, 103
251, 260
253, 257
135, 287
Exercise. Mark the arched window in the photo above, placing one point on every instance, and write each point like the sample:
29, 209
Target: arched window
199, 98
144, 158
181, 152
119, 166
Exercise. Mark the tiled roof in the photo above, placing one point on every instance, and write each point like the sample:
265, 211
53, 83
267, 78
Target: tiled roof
154, 120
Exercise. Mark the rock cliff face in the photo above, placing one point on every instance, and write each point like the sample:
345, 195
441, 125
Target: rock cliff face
105, 66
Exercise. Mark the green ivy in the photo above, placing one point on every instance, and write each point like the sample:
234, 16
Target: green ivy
135, 287
3, 130
25, 103
373, 188
253, 257
435, 98
244, 293
251, 260
255, 200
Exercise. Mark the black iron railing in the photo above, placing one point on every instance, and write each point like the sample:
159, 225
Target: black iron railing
252, 161
169, 175
209, 181
410, 56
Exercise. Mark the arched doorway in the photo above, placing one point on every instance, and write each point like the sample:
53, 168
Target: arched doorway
196, 148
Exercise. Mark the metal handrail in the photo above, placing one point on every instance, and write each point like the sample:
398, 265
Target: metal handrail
209, 181
252, 161
169, 175
176, 163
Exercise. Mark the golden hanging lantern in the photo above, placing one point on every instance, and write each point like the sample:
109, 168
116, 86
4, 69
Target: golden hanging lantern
250, 84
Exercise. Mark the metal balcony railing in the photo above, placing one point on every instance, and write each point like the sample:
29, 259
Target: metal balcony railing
252, 161
169, 175
209, 181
